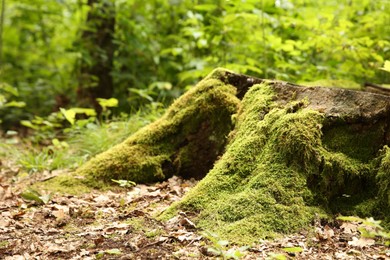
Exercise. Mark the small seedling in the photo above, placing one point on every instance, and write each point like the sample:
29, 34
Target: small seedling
125, 183
34, 195
220, 247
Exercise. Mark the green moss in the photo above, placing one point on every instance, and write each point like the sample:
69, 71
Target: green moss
258, 188
366, 139
281, 167
185, 141
383, 180
65, 184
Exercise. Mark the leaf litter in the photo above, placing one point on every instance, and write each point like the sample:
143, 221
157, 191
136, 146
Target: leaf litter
121, 224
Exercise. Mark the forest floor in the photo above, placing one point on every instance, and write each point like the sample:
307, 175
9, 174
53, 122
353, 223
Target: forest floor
121, 224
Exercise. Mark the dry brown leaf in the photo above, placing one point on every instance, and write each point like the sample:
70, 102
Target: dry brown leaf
361, 242
349, 227
328, 232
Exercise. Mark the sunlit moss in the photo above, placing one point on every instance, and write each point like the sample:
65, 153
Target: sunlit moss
258, 188
65, 184
190, 135
281, 168
383, 179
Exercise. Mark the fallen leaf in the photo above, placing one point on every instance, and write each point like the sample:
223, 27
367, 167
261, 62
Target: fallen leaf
361, 242
349, 228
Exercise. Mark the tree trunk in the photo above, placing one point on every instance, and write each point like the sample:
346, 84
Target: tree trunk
273, 155
97, 48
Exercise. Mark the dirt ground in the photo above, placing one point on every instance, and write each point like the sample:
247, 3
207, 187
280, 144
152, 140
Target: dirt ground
122, 224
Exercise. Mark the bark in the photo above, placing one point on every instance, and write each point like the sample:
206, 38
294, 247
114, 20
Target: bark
375, 88
98, 49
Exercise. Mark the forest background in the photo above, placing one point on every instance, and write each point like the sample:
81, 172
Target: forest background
81, 75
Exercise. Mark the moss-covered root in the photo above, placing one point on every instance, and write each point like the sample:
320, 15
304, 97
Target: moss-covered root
258, 188
281, 168
185, 141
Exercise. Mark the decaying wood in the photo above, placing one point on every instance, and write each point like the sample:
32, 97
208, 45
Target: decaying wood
375, 88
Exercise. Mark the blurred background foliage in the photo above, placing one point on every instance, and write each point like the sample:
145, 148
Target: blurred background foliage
66, 53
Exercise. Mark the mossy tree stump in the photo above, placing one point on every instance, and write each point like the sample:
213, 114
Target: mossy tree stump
273, 154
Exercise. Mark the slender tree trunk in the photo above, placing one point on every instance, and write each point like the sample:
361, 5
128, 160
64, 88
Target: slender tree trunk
97, 46
1, 31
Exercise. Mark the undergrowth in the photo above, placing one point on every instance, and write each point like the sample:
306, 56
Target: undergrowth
43, 151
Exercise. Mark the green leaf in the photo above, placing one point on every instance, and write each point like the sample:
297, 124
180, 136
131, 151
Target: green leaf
33, 195
59, 144
9, 89
69, 115
86, 111
15, 104
114, 251
125, 183
28, 124
206, 7
386, 66
293, 249
111, 102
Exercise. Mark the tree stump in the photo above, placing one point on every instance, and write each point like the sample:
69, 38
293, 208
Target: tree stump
271, 155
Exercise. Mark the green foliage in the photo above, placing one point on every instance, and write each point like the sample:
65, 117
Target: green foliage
386, 66
114, 251
33, 195
292, 249
163, 46
221, 247
70, 114
37, 60
74, 145
7, 94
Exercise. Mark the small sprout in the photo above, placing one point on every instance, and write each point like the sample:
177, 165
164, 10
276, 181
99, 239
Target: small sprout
114, 251
33, 195
125, 183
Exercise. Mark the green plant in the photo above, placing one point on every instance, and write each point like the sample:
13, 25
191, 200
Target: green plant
7, 96
386, 66
105, 104
33, 195
114, 251
125, 183
220, 247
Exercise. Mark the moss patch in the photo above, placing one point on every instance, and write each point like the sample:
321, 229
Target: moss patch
66, 184
383, 179
185, 141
